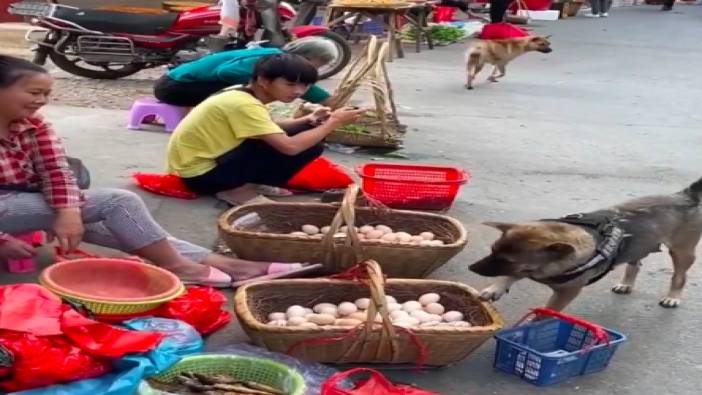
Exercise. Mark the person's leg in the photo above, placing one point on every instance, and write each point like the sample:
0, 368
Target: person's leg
498, 8
668, 5
607, 5
461, 5
596, 7
185, 94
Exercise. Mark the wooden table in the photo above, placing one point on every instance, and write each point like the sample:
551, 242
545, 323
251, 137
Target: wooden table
339, 13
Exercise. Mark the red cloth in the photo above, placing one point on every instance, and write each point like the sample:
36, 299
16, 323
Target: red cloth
33, 156
164, 184
52, 343
501, 31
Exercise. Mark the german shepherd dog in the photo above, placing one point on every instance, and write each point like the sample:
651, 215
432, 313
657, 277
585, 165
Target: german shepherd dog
569, 253
498, 53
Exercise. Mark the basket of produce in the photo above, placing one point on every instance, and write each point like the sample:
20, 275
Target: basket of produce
440, 34
227, 374
112, 286
549, 351
405, 243
420, 187
360, 317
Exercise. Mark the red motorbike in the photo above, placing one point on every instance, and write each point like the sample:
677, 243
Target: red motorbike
104, 44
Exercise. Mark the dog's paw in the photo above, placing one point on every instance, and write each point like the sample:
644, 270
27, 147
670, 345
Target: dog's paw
669, 302
492, 293
622, 289
469, 87
491, 79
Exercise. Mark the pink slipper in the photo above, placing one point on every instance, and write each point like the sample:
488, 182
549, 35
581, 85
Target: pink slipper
282, 270
215, 279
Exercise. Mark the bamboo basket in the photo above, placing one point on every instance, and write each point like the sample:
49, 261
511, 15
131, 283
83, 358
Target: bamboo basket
270, 239
371, 342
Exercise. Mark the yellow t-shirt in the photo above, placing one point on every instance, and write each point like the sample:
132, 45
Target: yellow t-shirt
216, 126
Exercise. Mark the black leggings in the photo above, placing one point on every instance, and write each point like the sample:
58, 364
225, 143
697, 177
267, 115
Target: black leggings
185, 94
460, 4
498, 8
253, 162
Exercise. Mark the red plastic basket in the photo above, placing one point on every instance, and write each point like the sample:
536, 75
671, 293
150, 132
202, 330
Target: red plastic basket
419, 187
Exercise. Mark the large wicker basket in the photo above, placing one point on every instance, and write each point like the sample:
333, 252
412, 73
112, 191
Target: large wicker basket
371, 342
270, 240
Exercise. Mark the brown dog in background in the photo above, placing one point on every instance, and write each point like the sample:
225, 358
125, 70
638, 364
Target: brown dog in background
498, 53
569, 253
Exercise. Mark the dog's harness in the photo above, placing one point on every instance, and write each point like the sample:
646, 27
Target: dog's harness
603, 225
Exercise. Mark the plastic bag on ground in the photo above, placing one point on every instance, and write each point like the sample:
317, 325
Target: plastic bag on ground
320, 175
164, 184
200, 307
180, 340
375, 384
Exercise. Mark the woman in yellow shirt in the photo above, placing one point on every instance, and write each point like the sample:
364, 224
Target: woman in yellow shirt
230, 140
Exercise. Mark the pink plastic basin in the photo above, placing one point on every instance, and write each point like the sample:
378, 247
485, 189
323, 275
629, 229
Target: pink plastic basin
112, 280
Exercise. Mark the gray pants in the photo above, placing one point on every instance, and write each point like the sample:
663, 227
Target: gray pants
113, 218
600, 6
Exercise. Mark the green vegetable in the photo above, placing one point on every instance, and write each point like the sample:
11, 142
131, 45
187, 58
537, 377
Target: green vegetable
440, 34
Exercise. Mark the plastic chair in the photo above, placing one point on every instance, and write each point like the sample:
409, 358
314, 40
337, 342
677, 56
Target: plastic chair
146, 109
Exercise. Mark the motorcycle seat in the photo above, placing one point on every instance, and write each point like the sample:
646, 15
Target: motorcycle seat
117, 22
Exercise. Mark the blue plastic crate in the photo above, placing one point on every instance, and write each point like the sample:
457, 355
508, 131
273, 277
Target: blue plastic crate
550, 351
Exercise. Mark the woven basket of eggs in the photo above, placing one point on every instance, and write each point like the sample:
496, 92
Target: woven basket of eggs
406, 244
367, 319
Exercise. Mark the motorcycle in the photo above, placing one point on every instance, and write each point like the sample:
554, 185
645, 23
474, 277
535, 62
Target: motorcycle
102, 44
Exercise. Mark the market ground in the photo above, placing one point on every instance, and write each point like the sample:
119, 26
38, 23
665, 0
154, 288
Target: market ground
611, 114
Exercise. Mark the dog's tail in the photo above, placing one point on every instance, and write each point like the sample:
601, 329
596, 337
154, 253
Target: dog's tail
694, 190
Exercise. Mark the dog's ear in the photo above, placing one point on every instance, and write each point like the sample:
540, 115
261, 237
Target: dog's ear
502, 226
560, 250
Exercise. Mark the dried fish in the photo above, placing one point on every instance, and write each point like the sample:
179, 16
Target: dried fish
218, 384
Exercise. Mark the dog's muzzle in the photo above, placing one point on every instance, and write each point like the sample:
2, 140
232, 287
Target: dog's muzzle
545, 50
489, 267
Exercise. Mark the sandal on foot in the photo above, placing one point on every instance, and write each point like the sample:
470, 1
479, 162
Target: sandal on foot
282, 270
268, 190
215, 279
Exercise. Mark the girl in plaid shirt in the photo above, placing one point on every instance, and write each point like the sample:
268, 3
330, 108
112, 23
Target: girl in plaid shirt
38, 191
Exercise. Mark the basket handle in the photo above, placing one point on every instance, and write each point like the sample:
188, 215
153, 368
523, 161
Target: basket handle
600, 335
346, 214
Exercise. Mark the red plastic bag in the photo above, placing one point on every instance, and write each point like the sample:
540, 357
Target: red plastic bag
200, 307
164, 184
443, 14
376, 384
46, 360
501, 31
321, 175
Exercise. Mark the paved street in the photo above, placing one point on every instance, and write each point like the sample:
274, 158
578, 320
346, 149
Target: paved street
612, 113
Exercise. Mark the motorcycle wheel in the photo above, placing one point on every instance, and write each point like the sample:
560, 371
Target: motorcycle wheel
341, 61
107, 73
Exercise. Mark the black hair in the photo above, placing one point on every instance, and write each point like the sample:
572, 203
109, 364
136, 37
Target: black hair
13, 69
293, 68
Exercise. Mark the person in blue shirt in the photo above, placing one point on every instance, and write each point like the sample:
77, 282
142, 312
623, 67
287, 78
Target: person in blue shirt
191, 83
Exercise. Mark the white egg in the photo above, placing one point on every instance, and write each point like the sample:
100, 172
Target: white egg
411, 305
310, 229
325, 229
403, 237
318, 236
394, 307
366, 228
452, 316
437, 243
347, 308
389, 237
390, 299
339, 235
330, 310
462, 324
427, 235
295, 311
343, 229
398, 314
296, 321
434, 317
361, 236
359, 315
425, 243
308, 311
374, 234
429, 298
384, 229
421, 315
277, 323
318, 307
362, 303
277, 316
347, 322
321, 319
309, 325
408, 322
416, 239
298, 234
428, 324
434, 308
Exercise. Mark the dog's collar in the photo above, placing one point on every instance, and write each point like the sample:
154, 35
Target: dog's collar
603, 225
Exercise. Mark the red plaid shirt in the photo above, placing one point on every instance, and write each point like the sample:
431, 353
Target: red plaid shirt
32, 157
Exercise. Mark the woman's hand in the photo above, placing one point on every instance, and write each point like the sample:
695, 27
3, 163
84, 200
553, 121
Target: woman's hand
346, 115
68, 228
16, 249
